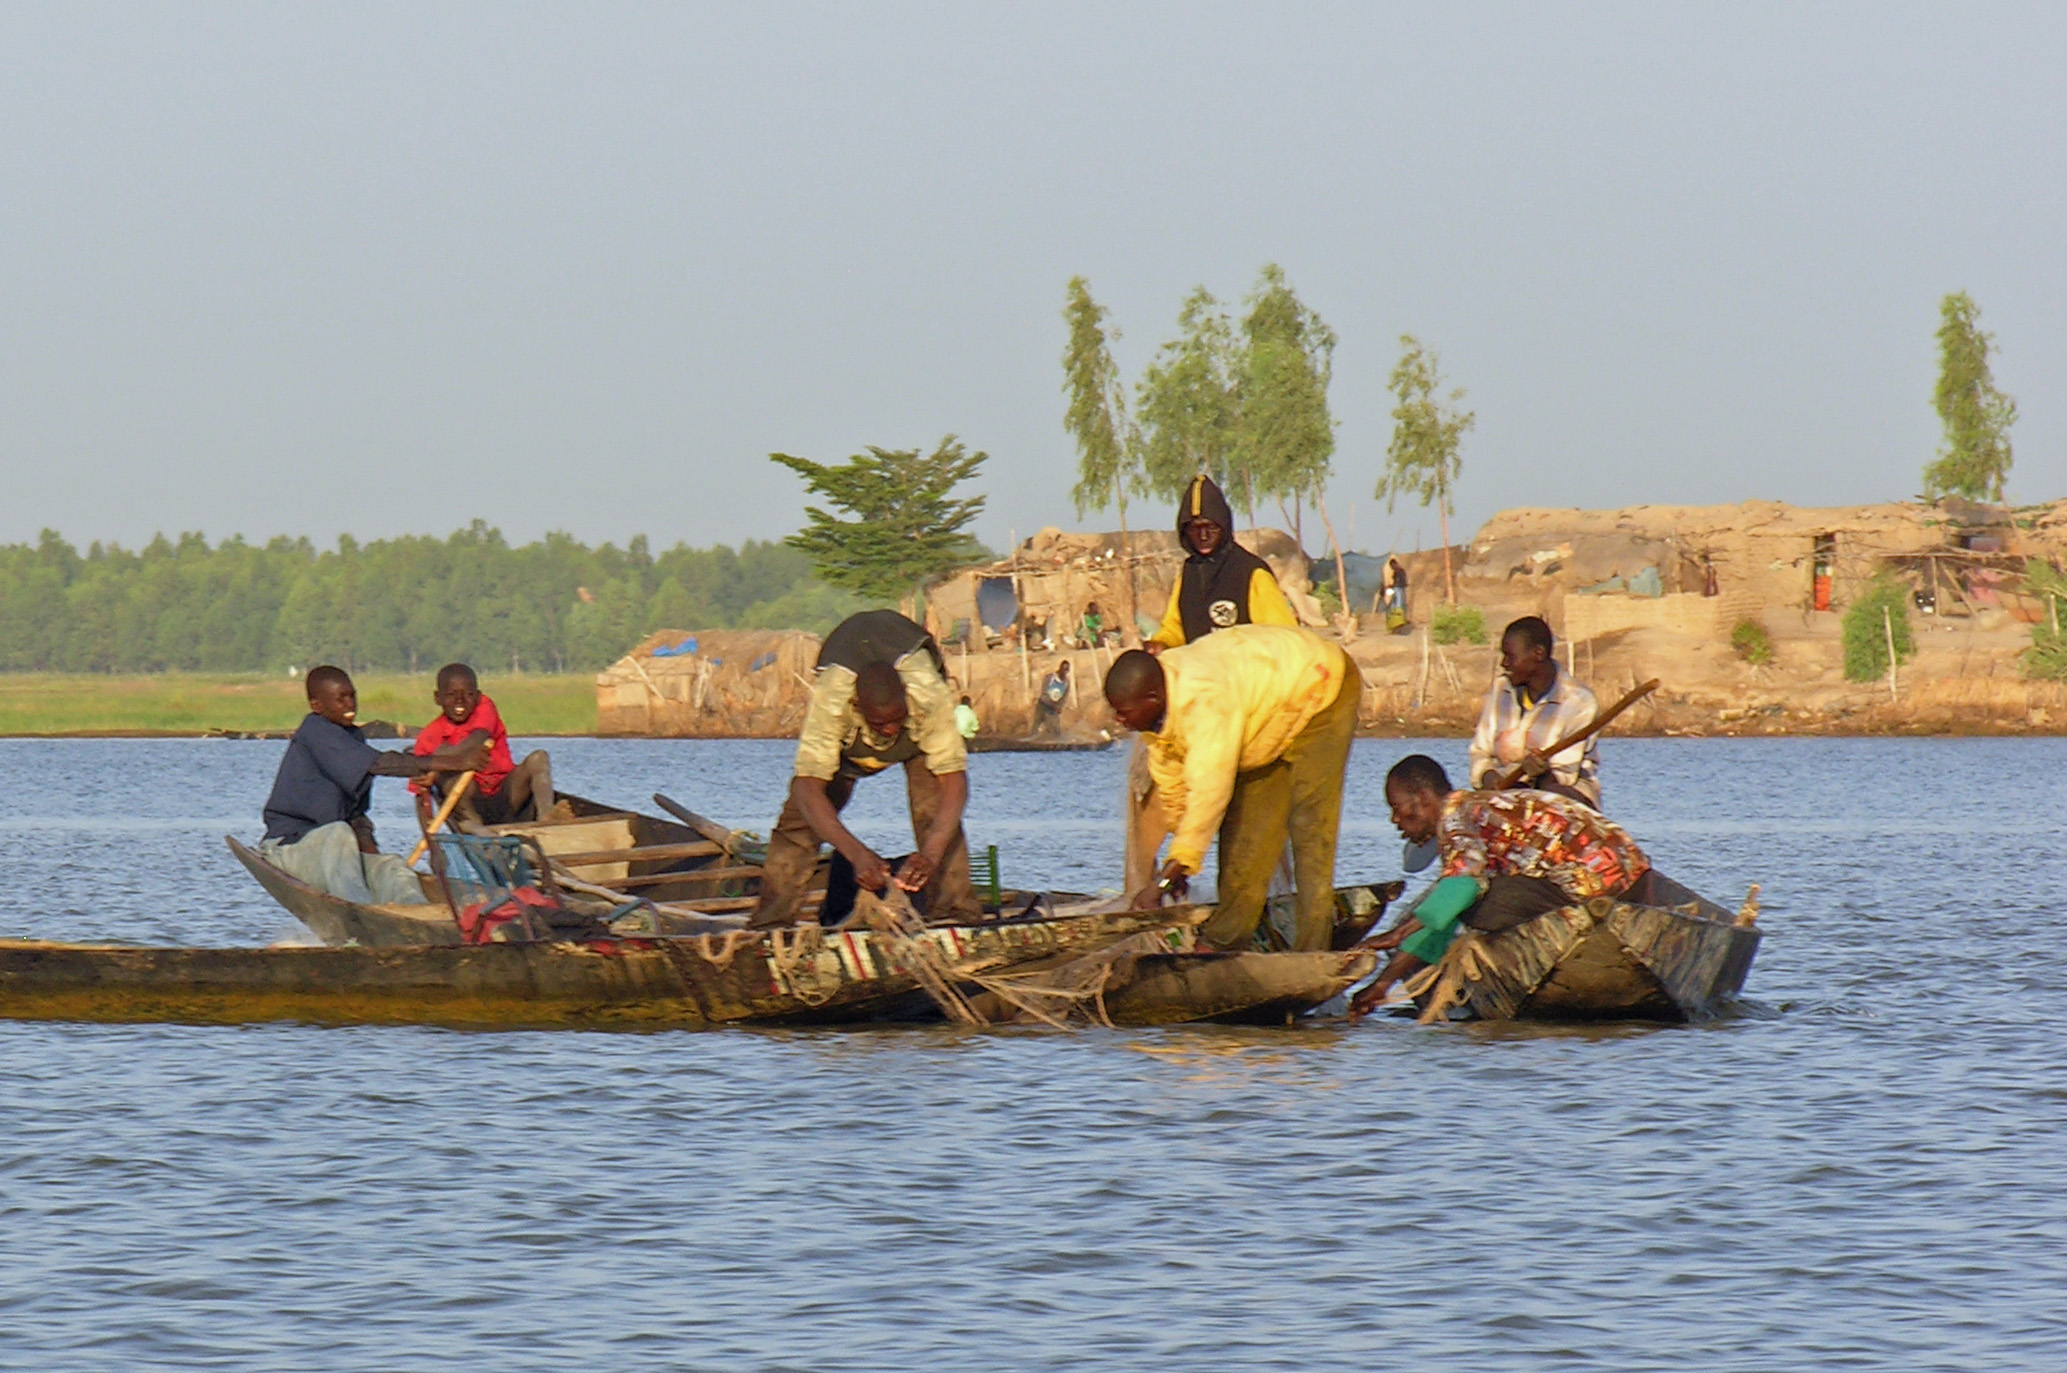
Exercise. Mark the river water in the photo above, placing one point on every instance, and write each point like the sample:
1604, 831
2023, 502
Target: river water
1861, 1176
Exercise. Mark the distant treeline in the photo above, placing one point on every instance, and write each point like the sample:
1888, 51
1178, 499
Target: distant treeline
396, 604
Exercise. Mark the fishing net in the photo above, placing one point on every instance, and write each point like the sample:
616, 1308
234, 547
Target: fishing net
1068, 996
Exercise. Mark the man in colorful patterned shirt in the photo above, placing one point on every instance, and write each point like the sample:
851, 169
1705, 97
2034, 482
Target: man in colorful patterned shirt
1507, 857
1530, 708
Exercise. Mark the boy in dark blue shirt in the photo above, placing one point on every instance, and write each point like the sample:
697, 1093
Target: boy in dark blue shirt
317, 828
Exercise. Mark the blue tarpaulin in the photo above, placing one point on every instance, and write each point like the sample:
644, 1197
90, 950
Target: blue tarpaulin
1366, 573
996, 606
688, 645
1645, 583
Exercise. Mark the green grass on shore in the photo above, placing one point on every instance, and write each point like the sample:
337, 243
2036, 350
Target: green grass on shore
194, 703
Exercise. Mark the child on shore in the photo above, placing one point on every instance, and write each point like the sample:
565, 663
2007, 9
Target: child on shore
503, 792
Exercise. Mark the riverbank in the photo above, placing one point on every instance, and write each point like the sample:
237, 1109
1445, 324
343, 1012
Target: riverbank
177, 704
1966, 678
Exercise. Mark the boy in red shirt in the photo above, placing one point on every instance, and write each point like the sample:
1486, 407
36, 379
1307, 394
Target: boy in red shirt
502, 790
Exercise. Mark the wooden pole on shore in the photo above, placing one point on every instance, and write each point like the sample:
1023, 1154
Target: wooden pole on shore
1347, 626
1019, 604
1421, 691
1887, 620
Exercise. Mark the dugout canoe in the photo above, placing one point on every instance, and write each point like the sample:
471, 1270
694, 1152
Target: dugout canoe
803, 975
1139, 982
1358, 908
1230, 988
1672, 956
707, 876
703, 878
1158, 977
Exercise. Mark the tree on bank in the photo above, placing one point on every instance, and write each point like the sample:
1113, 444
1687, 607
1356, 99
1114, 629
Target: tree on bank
404, 604
1187, 406
1975, 460
1423, 460
2047, 656
1249, 410
908, 526
1877, 619
1284, 434
1108, 451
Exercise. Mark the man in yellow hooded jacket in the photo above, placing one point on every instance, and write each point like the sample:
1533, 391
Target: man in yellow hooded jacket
1248, 734
1221, 584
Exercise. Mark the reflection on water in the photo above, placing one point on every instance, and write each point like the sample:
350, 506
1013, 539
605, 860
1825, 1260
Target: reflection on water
1859, 1178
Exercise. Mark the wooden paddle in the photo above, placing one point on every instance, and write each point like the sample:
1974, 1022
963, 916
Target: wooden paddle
452, 799
1600, 722
703, 825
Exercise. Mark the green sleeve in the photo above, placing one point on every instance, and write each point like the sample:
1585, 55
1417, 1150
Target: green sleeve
1439, 910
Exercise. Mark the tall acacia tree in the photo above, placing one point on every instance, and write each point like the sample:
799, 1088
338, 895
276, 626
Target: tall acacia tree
1186, 404
1285, 438
908, 526
1108, 451
1976, 458
1423, 461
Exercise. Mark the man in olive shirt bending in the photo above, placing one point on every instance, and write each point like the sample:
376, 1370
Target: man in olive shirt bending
881, 699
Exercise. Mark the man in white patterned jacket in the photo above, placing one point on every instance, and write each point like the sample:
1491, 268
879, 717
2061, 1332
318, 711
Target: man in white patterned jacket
1532, 707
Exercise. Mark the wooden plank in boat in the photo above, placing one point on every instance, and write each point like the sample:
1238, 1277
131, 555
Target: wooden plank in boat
644, 853
715, 905
655, 879
588, 835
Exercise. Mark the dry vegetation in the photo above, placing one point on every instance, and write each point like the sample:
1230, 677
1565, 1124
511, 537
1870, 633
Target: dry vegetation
194, 703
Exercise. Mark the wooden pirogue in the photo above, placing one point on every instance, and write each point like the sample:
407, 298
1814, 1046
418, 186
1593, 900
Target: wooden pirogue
1136, 983
1672, 955
702, 877
1160, 978
702, 871
1231, 988
795, 976
1266, 985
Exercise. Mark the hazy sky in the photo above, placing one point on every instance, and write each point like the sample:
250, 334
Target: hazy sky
373, 269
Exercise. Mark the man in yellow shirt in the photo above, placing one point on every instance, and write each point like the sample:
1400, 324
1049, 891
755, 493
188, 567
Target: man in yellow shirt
1221, 583
1248, 735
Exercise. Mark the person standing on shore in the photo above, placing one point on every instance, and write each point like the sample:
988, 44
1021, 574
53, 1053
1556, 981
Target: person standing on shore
1048, 705
881, 699
1395, 589
1531, 707
317, 827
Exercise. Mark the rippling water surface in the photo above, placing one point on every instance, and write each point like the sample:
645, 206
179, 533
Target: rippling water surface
1866, 1177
